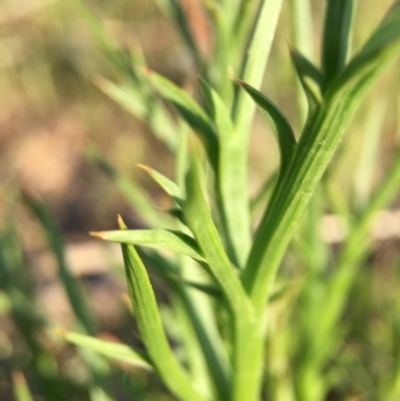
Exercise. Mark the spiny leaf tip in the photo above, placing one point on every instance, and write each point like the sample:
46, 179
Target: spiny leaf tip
144, 167
61, 332
97, 234
121, 222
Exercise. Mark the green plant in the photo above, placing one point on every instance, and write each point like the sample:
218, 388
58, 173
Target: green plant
223, 279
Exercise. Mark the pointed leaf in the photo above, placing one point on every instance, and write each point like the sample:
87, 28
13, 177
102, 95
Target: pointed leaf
177, 14
169, 240
278, 122
200, 222
109, 349
387, 32
230, 179
310, 78
73, 288
103, 38
165, 183
144, 107
194, 115
150, 326
381, 48
169, 271
247, 342
302, 25
132, 192
313, 153
255, 61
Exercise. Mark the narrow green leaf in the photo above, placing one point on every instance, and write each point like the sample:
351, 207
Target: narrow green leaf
235, 215
192, 350
310, 78
20, 387
144, 107
188, 107
191, 112
336, 37
278, 122
169, 240
223, 51
150, 326
303, 40
255, 61
199, 309
200, 222
132, 192
117, 59
165, 183
381, 48
175, 11
313, 152
242, 24
72, 286
172, 274
208, 289
230, 10
109, 349
200, 312
387, 32
302, 26
247, 333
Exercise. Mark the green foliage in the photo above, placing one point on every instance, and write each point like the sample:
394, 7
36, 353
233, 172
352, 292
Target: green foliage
252, 324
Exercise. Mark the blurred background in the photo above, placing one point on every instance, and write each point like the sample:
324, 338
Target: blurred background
52, 110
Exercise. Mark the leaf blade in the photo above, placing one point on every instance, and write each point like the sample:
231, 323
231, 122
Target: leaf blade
109, 349
150, 326
169, 240
278, 122
191, 112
